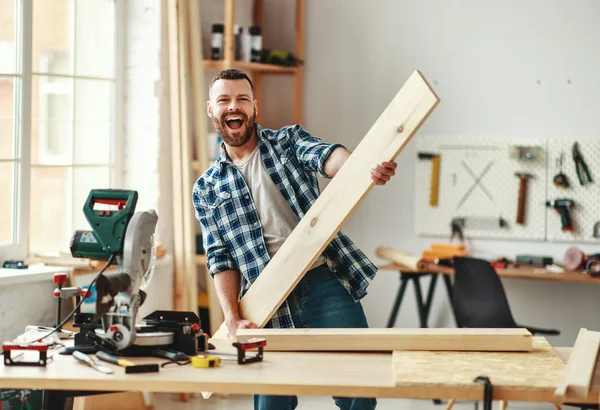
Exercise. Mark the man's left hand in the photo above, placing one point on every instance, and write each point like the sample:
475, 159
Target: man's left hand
382, 173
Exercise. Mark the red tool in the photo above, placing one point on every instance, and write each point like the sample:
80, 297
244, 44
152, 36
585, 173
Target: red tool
254, 343
8, 348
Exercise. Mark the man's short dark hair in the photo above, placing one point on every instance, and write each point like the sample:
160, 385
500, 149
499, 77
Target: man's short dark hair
232, 74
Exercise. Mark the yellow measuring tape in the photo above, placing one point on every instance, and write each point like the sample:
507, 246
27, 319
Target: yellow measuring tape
206, 361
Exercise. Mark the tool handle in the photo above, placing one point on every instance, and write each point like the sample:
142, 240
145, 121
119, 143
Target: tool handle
521, 203
83, 358
587, 172
565, 218
107, 357
435, 181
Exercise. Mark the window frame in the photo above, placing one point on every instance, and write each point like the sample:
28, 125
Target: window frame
22, 98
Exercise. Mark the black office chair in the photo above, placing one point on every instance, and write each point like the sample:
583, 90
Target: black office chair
479, 300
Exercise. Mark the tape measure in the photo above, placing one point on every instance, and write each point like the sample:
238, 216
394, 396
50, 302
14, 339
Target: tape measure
205, 361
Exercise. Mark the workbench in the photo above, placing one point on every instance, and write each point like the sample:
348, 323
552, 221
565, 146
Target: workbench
520, 376
511, 271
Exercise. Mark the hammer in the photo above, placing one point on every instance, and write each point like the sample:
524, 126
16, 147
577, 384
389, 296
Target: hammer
523, 177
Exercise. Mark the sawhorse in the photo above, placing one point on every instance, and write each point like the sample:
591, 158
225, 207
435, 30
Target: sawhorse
423, 307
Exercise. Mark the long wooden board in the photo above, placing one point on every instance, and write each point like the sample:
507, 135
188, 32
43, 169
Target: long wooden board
431, 339
385, 140
577, 377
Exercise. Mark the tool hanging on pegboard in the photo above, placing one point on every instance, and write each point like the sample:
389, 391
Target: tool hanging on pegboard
560, 180
522, 198
583, 172
563, 208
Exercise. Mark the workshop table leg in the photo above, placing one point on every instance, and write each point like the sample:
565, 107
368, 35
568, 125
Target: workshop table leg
420, 305
430, 293
399, 296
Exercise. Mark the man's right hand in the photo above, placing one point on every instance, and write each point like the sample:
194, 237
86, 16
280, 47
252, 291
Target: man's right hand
234, 324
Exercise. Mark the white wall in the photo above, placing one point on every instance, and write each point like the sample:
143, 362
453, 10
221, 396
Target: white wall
484, 60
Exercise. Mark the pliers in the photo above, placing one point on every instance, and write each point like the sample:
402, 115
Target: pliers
580, 165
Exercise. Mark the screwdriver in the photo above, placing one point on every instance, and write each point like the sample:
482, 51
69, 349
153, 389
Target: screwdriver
87, 360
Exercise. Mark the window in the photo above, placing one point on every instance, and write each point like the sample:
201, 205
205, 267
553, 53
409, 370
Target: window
58, 123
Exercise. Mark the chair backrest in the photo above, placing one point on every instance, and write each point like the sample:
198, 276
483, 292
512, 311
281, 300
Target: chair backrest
478, 297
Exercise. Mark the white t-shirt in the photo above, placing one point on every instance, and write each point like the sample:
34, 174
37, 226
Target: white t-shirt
277, 218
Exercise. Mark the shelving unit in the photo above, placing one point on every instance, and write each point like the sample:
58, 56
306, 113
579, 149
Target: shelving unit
258, 70
201, 159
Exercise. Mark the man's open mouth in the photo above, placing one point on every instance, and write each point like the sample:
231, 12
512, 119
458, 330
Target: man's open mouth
234, 122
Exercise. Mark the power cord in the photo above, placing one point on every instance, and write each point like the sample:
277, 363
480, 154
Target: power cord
70, 315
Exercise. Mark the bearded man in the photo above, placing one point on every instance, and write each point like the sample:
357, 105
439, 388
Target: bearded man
250, 200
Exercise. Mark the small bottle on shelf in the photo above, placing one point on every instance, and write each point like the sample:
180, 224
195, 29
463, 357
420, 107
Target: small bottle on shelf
216, 43
237, 35
246, 46
255, 44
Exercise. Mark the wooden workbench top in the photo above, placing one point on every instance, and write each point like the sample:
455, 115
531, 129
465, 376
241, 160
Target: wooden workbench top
308, 373
511, 271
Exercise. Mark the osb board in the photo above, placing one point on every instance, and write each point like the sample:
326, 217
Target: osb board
535, 373
375, 339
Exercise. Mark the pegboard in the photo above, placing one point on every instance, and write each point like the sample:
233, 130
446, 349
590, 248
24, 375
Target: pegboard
586, 211
482, 204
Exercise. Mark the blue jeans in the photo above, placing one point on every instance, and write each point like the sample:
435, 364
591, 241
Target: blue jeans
320, 301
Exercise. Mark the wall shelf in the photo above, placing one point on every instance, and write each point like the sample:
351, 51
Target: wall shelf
253, 67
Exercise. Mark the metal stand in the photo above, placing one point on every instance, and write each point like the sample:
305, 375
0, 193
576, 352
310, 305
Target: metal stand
423, 308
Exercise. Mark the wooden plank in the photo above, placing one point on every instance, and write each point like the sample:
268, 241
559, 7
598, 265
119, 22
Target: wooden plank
229, 43
577, 377
199, 119
200, 133
190, 273
299, 77
452, 373
401, 258
372, 339
174, 89
384, 141
183, 237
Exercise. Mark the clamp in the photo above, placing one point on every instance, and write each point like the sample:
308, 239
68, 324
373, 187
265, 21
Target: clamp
8, 348
487, 391
245, 345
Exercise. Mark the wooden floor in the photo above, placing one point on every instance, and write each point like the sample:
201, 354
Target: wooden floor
170, 402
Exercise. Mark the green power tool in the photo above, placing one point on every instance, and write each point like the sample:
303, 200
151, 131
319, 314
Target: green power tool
108, 226
125, 238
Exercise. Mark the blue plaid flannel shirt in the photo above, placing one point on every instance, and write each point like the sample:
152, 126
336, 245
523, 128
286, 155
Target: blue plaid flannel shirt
231, 229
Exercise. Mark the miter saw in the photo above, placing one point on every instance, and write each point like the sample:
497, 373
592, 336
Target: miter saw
125, 238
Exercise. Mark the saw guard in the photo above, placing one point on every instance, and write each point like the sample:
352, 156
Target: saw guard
137, 261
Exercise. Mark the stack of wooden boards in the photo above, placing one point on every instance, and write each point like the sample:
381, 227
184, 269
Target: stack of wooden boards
444, 251
437, 251
451, 358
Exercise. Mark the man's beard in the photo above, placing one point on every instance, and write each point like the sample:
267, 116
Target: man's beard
235, 138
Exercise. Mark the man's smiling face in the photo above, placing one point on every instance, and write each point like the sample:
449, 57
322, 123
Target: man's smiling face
232, 108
